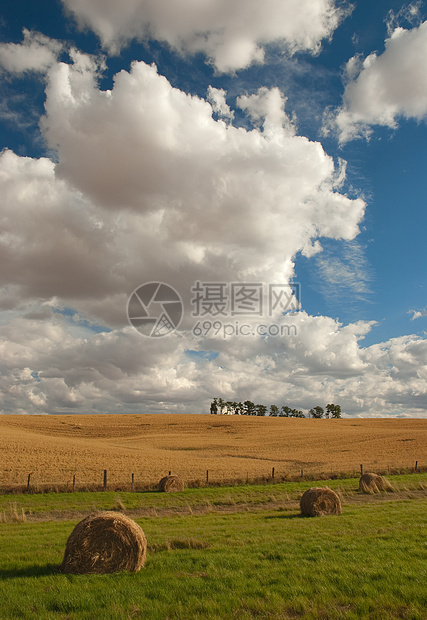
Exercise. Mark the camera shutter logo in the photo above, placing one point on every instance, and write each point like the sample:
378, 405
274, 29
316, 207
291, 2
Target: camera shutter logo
155, 309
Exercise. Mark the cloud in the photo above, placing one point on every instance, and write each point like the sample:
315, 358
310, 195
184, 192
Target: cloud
207, 190
232, 35
44, 369
344, 273
148, 185
220, 201
37, 53
384, 87
410, 13
217, 99
417, 314
266, 108
51, 241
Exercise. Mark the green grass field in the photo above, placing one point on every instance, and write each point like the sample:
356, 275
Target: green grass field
59, 505
239, 558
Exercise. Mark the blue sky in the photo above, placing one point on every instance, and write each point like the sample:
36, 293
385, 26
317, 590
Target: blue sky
280, 143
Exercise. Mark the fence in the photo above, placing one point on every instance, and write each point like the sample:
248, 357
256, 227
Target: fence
207, 478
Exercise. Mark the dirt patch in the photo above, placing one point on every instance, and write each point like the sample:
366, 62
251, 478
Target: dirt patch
286, 504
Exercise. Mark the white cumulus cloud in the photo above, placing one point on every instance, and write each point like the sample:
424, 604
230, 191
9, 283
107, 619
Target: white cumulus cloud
217, 99
220, 201
384, 87
36, 53
147, 184
45, 369
232, 35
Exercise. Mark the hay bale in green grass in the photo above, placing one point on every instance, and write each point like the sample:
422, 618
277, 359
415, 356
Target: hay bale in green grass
373, 483
319, 501
105, 542
171, 484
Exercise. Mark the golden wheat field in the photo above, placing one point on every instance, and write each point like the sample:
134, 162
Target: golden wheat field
55, 448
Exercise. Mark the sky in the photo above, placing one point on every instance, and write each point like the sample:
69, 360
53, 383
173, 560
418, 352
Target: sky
213, 199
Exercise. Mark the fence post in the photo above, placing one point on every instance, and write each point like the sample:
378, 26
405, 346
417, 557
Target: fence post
207, 476
28, 482
133, 482
361, 470
105, 479
170, 473
272, 473
416, 465
302, 473
74, 482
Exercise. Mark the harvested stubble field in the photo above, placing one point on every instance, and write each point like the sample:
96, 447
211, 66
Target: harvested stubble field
54, 448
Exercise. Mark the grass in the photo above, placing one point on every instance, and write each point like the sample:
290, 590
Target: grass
369, 562
12, 507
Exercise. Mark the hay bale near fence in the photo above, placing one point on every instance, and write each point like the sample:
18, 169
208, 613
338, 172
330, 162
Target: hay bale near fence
373, 483
319, 501
171, 484
105, 542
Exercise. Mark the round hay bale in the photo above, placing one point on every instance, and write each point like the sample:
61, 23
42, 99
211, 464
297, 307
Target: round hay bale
171, 484
105, 542
373, 483
319, 501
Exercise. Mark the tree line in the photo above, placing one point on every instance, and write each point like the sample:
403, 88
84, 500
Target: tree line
220, 406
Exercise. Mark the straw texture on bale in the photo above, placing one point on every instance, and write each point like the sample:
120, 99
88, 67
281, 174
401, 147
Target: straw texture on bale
171, 484
373, 483
319, 501
105, 542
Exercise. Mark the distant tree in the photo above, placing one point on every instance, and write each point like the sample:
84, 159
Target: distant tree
249, 408
337, 412
229, 406
238, 408
316, 412
274, 411
333, 411
214, 406
221, 405
296, 413
285, 411
261, 410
